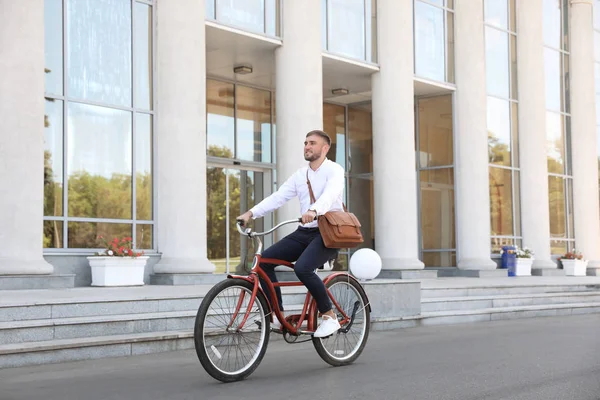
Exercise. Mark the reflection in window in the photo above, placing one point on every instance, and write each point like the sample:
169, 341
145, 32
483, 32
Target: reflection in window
436, 180
99, 162
498, 122
334, 123
53, 28
429, 42
143, 56
552, 29
253, 123
437, 209
99, 50
53, 158
501, 202
143, 167
555, 142
435, 132
556, 187
345, 29
552, 73
108, 141
361, 204
496, 13
496, 61
220, 124
360, 141
84, 235
252, 15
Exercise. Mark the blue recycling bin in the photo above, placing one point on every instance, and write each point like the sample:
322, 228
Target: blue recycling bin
509, 259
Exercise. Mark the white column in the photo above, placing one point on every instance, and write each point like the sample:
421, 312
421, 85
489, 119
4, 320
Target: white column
471, 154
181, 137
535, 214
299, 92
22, 137
584, 139
394, 175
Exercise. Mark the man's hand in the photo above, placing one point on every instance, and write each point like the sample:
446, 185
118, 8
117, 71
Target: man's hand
309, 216
245, 217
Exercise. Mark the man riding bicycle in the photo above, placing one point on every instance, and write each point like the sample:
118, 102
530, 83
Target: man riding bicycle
305, 246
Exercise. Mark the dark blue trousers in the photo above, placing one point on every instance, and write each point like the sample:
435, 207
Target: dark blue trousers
305, 247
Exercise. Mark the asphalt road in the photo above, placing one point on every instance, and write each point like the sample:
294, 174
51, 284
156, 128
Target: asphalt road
545, 358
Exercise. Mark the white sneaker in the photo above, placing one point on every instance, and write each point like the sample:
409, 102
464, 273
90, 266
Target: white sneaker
328, 327
276, 324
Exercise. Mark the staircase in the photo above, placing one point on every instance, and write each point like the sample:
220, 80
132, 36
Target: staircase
500, 302
52, 326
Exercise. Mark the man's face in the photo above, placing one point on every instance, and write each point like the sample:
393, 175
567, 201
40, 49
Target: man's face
314, 147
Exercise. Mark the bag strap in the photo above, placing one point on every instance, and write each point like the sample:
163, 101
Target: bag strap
312, 195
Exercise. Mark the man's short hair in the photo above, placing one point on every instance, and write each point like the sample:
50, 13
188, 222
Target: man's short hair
322, 134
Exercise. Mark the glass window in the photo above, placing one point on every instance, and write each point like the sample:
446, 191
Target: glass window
99, 162
556, 192
501, 204
555, 143
552, 73
361, 204
437, 208
220, 124
346, 27
84, 235
498, 123
450, 47
53, 158
143, 167
53, 235
246, 14
429, 42
552, 27
513, 68
53, 46
144, 236
496, 12
514, 115
253, 124
143, 56
435, 131
360, 141
497, 62
334, 123
439, 258
99, 50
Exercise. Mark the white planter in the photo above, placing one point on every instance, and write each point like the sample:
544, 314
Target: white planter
574, 267
117, 271
523, 266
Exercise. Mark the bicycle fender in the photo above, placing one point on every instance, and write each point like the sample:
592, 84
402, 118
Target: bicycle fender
336, 274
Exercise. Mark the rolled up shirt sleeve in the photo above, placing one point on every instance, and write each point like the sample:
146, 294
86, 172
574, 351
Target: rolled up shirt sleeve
333, 191
285, 193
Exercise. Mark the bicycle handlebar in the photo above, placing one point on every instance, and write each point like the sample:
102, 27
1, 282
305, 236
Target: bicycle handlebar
251, 234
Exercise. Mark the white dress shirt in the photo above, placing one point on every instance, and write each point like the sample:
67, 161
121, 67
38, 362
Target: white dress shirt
327, 183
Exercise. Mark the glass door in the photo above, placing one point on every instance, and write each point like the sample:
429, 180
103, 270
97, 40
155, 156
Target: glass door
231, 192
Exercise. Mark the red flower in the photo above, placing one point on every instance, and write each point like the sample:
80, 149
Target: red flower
130, 252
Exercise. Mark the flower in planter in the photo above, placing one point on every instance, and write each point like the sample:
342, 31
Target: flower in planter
525, 252
572, 255
118, 248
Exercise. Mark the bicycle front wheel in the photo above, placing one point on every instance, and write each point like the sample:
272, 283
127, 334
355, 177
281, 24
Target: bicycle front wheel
346, 345
226, 352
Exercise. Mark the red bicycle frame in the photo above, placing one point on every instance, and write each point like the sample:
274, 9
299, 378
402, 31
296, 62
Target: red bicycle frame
309, 307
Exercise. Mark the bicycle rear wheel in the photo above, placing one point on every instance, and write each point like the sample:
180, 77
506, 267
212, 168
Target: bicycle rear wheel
346, 345
227, 353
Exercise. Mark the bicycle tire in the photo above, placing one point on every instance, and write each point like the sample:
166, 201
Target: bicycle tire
199, 331
321, 344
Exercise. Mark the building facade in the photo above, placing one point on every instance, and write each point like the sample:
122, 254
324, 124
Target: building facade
463, 126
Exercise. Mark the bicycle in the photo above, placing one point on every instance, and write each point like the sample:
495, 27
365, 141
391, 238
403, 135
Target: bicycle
235, 313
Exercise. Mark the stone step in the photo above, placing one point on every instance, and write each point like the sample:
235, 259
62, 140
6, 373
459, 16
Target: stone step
478, 302
25, 282
14, 332
70, 308
499, 290
505, 313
